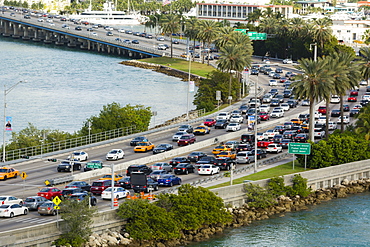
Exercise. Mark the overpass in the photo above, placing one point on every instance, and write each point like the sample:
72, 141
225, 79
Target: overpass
18, 27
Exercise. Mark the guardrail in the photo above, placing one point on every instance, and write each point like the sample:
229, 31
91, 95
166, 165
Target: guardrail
61, 180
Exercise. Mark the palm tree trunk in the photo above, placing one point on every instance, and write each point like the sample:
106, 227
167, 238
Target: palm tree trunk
231, 76
171, 45
341, 114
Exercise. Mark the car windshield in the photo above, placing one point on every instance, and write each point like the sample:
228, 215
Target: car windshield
161, 146
44, 190
209, 120
27, 199
97, 183
113, 152
142, 144
76, 153
184, 137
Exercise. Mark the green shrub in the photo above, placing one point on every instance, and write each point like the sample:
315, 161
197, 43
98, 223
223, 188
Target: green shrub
299, 186
277, 186
259, 197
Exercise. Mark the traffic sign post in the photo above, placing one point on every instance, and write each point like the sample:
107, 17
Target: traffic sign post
57, 201
299, 148
24, 176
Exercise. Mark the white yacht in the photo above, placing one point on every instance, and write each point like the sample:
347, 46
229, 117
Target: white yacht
109, 16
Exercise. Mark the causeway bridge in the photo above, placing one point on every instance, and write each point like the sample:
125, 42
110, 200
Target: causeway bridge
14, 25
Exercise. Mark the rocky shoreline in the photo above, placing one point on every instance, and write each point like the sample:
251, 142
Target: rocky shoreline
242, 216
163, 69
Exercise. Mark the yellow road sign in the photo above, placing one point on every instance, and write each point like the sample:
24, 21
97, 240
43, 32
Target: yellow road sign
56, 200
56, 207
23, 175
46, 182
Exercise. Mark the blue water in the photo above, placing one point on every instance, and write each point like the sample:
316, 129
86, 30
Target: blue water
339, 222
66, 86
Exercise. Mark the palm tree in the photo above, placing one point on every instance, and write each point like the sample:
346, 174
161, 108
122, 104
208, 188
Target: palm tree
365, 68
224, 36
254, 16
232, 58
191, 30
363, 123
321, 32
314, 84
208, 32
268, 26
170, 24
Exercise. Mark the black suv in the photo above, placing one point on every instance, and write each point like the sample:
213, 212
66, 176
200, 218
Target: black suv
138, 168
196, 155
247, 138
206, 160
67, 166
177, 160
138, 139
225, 163
221, 124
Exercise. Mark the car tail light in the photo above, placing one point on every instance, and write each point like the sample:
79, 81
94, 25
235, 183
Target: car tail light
49, 208
168, 180
6, 210
183, 168
198, 169
144, 186
2, 202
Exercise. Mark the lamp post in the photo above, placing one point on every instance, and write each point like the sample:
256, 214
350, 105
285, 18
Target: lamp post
311, 122
255, 125
189, 77
6, 91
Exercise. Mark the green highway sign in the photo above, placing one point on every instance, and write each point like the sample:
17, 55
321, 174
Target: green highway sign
93, 165
252, 35
299, 148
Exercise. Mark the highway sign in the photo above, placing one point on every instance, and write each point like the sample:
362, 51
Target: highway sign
56, 207
23, 175
93, 165
56, 200
46, 182
299, 148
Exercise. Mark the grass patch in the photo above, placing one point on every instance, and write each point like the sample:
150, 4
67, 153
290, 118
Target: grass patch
181, 64
281, 170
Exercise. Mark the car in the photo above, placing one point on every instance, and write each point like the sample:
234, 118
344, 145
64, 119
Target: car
345, 107
93, 33
345, 120
264, 116
354, 112
280, 128
109, 33
27, 17
236, 112
10, 200
108, 28
273, 91
352, 99
210, 122
261, 153
285, 106
128, 31
118, 193
205, 160
79, 197
335, 99
157, 173
97, 187
79, 156
273, 82
264, 144
321, 120
65, 26
267, 98
245, 157
125, 182
353, 93
274, 148
162, 47
243, 147
208, 169
247, 138
317, 114
175, 41
186, 127
287, 61
186, 140
296, 121
135, 41
11, 210
127, 41
8, 172
202, 130
275, 102
236, 119
322, 109
115, 154
358, 106
364, 102
138, 139
109, 177
228, 154
292, 103
79, 184
47, 208
285, 143
50, 192
168, 180
277, 113
143, 147
196, 155
160, 38
254, 71
233, 127
163, 147
277, 138
287, 93
332, 125
33, 202
121, 30
177, 160
69, 191
68, 166
178, 134
363, 83
225, 163
305, 102
138, 168
289, 134
78, 28
183, 168
223, 115
302, 137
162, 166
335, 113
265, 108
218, 149
319, 133
272, 132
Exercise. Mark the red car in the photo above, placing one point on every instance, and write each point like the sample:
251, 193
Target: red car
264, 144
186, 140
322, 109
210, 122
264, 116
353, 93
50, 192
352, 99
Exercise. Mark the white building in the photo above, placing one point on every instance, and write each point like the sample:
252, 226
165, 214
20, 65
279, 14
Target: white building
350, 31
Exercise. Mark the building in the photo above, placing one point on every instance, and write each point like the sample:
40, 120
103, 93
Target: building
350, 31
235, 12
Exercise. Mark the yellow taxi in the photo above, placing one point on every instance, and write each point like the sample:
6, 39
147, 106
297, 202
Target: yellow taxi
202, 130
8, 172
305, 126
296, 121
220, 148
143, 147
228, 154
109, 177
185, 55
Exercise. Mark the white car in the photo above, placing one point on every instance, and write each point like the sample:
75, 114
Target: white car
10, 200
332, 125
108, 28
118, 192
178, 134
317, 115
79, 155
274, 148
285, 106
160, 38
223, 115
271, 74
318, 133
51, 24
208, 169
261, 136
40, 20
236, 119
264, 108
357, 107
245, 157
363, 83
11, 210
345, 120
273, 83
121, 30
271, 133
306, 102
49, 20
277, 113
233, 127
115, 154
321, 120
335, 99
94, 34
287, 61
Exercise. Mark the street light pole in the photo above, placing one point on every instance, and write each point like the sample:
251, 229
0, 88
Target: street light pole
188, 89
6, 91
112, 192
255, 125
312, 119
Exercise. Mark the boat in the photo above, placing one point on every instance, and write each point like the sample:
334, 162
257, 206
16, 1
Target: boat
109, 16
